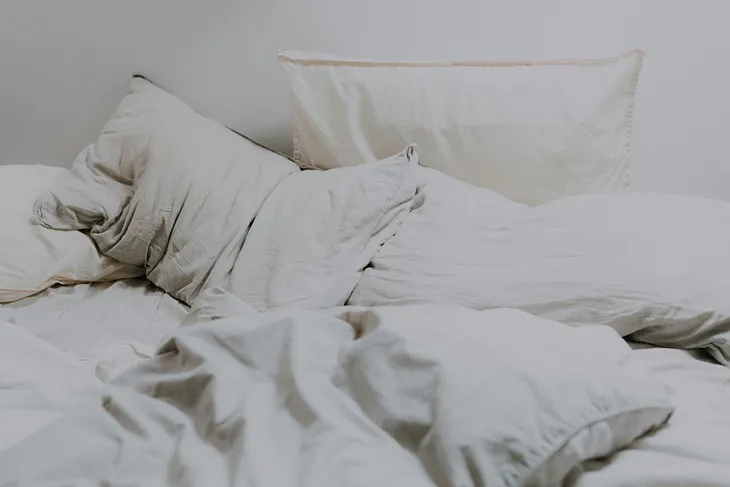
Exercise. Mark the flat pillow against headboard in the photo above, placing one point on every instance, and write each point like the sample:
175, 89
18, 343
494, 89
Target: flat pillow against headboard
532, 131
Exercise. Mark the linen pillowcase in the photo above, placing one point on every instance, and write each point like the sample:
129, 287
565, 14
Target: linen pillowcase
34, 258
499, 397
167, 189
318, 230
532, 131
650, 266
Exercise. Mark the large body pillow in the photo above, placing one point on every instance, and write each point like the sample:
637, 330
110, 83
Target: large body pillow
532, 131
167, 189
33, 258
653, 267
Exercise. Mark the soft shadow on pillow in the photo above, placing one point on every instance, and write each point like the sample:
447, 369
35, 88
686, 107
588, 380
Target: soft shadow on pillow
32, 257
166, 189
651, 266
318, 230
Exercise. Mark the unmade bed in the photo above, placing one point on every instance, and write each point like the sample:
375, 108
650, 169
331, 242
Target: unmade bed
460, 292
44, 387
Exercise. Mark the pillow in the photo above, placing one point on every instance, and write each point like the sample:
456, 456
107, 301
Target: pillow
319, 229
651, 266
499, 397
532, 131
167, 189
34, 258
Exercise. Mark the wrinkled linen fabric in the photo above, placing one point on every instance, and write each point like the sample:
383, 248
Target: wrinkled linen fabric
34, 258
301, 398
166, 189
651, 266
88, 320
179, 195
318, 230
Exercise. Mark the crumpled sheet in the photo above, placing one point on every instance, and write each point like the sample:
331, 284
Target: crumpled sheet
227, 402
693, 449
295, 398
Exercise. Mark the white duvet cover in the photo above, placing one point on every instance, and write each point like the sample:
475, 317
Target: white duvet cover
105, 326
693, 449
38, 384
298, 398
653, 267
288, 403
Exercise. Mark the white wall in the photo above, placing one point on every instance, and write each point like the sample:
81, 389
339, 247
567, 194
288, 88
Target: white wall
65, 64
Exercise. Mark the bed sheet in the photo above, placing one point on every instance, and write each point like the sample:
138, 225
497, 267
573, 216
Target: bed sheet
694, 448
101, 322
38, 384
87, 321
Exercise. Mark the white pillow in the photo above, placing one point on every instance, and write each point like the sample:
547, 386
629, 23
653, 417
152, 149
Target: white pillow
653, 267
499, 397
532, 131
34, 258
318, 230
167, 189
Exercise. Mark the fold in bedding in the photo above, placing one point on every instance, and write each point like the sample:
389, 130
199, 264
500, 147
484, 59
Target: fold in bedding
294, 398
88, 320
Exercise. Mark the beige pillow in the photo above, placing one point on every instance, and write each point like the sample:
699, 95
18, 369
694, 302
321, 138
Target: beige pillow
532, 131
167, 189
33, 258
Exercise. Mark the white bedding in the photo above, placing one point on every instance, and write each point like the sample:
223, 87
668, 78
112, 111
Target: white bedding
694, 449
193, 203
454, 394
59, 346
48, 386
40, 384
92, 322
532, 131
651, 266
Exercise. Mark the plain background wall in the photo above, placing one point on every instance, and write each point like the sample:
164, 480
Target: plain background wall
65, 64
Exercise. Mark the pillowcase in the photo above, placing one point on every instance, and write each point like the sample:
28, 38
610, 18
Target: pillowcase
499, 397
318, 230
166, 189
651, 266
34, 258
532, 131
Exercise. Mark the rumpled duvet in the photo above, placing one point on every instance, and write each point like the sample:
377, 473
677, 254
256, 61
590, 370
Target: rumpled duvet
410, 396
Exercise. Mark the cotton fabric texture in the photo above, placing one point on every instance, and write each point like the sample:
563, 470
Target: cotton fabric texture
34, 258
650, 266
183, 197
532, 131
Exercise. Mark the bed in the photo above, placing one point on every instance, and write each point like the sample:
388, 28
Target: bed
186, 307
